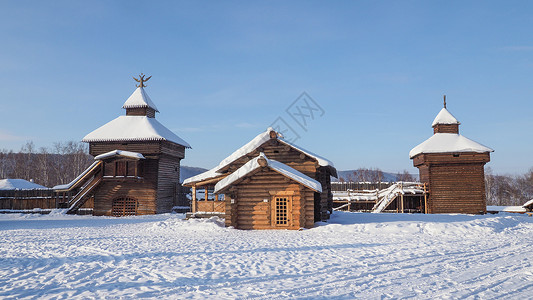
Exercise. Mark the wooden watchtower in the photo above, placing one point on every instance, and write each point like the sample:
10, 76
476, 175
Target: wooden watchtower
140, 161
452, 166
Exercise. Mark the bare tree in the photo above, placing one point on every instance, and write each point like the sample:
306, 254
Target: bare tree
405, 176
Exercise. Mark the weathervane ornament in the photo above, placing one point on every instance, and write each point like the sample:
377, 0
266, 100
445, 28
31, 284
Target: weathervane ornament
141, 80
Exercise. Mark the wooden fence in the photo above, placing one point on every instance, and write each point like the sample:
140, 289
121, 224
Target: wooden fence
27, 199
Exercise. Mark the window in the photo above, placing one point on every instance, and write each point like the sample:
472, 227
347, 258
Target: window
120, 168
124, 207
281, 211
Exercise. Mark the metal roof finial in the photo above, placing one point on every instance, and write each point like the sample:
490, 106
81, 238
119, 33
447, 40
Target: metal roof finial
444, 101
141, 80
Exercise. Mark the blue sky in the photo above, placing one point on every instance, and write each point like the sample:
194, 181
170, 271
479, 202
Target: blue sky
223, 71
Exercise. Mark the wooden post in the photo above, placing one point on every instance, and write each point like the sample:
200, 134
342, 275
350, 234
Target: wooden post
401, 197
193, 198
206, 192
425, 199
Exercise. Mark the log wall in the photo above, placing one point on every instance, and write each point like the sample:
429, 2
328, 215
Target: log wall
252, 205
456, 181
157, 192
168, 183
273, 149
446, 128
143, 190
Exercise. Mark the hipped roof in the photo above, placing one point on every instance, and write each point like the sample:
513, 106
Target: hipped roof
444, 117
139, 99
448, 143
134, 128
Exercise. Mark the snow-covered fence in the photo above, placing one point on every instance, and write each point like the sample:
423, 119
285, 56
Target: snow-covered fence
379, 200
359, 186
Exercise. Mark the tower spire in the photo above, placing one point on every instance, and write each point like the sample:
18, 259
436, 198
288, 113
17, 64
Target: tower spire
444, 101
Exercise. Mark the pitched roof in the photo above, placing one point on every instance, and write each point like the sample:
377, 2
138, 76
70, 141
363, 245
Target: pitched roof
444, 117
134, 128
283, 169
260, 140
209, 174
250, 147
447, 143
20, 184
119, 153
139, 98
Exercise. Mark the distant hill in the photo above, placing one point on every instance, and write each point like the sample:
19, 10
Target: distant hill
186, 172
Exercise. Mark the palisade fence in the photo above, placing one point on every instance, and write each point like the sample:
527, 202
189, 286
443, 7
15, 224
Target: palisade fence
27, 199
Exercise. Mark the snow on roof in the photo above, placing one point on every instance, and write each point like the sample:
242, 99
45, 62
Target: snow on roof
261, 139
530, 202
511, 209
321, 161
203, 176
281, 168
447, 143
139, 98
133, 128
444, 117
69, 185
119, 153
20, 184
250, 147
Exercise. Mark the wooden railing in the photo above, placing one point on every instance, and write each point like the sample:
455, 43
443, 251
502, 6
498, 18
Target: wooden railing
211, 206
83, 195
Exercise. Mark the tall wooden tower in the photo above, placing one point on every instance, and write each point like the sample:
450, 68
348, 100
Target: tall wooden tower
140, 160
452, 166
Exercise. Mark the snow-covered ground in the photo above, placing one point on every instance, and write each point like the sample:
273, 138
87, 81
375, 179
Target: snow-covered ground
355, 255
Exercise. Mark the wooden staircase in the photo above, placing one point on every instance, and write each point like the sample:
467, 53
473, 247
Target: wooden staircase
84, 194
83, 186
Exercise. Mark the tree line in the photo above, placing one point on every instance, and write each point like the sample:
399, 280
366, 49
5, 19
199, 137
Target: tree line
58, 164
509, 190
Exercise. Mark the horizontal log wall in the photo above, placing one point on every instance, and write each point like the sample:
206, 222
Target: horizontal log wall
457, 189
143, 192
456, 181
250, 211
276, 150
146, 148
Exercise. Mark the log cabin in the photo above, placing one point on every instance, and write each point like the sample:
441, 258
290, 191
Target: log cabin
269, 183
137, 164
452, 167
